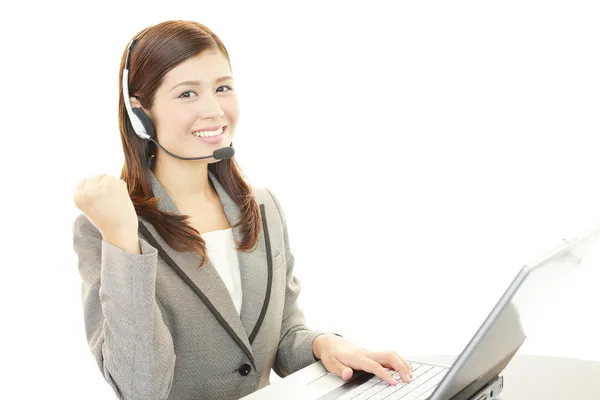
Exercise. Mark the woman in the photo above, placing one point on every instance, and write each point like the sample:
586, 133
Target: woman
188, 285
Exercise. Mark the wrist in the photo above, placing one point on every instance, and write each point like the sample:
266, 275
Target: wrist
125, 240
320, 343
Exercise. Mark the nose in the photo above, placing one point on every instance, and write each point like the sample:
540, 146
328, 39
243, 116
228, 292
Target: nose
210, 107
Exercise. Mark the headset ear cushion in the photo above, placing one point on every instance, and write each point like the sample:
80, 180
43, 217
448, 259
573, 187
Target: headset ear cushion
144, 120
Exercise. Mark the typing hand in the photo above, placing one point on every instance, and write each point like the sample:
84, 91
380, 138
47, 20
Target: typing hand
340, 357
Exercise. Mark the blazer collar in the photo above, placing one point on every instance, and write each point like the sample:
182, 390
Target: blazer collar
253, 267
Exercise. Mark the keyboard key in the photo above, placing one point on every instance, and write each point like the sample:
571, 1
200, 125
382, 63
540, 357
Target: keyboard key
419, 388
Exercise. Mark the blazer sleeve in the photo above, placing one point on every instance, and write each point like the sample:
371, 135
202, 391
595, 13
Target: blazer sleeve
123, 323
296, 340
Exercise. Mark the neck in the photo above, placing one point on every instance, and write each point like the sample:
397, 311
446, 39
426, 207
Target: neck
184, 180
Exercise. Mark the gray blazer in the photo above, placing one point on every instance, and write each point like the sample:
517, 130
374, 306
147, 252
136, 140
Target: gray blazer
161, 327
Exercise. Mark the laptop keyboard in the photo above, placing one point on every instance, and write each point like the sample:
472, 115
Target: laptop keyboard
426, 379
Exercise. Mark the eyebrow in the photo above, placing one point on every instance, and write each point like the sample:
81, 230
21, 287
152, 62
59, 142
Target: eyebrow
198, 83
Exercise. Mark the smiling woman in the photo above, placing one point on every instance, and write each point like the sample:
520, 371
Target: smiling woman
188, 277
181, 77
179, 102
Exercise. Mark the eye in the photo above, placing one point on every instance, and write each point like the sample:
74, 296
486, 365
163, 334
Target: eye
225, 86
182, 95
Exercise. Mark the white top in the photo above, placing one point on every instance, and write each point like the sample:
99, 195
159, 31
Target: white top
220, 247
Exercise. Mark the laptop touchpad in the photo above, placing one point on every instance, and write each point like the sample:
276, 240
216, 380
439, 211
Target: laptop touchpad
329, 383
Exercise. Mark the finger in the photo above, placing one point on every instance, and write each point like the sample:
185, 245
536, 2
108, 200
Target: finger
77, 192
408, 365
105, 178
337, 367
80, 184
367, 364
392, 360
92, 181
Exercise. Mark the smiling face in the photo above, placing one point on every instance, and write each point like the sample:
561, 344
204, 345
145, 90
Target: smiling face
195, 109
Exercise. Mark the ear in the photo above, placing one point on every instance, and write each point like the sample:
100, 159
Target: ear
135, 103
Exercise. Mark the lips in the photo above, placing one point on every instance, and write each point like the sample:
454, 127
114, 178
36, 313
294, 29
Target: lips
204, 134
213, 138
210, 129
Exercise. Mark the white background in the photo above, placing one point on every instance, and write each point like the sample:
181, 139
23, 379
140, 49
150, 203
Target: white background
423, 152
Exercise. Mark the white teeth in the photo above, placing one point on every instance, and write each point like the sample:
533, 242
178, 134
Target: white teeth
207, 133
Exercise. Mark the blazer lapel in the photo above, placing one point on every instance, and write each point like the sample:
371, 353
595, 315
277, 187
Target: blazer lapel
254, 266
207, 280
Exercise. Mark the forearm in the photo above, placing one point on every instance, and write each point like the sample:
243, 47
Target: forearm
123, 322
138, 348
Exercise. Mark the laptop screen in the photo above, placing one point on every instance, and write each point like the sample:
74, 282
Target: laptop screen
515, 316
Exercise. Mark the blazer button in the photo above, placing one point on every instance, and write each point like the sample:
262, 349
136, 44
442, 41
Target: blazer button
244, 370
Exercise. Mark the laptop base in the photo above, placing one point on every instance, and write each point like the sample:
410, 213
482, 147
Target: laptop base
491, 390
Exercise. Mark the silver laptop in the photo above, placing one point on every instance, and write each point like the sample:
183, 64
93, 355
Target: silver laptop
476, 373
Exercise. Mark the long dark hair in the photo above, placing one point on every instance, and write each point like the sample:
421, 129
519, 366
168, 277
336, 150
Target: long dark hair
160, 48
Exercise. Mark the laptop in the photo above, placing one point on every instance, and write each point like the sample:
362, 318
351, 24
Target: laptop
476, 372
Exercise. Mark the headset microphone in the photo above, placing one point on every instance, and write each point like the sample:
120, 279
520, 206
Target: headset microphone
142, 126
219, 154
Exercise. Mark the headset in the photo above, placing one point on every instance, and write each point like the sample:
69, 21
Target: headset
143, 127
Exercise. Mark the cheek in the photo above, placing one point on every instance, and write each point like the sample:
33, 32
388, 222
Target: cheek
231, 108
184, 115
179, 119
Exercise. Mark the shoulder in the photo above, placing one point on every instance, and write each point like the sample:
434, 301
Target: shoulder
266, 196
